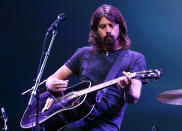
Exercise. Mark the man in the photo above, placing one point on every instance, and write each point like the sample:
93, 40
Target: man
108, 38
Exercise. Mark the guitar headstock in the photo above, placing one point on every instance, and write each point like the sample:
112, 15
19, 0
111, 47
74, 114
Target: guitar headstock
149, 74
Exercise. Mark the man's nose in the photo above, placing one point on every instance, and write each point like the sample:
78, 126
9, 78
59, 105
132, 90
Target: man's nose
108, 29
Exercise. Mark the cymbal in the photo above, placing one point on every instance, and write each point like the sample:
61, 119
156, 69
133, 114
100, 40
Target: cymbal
173, 97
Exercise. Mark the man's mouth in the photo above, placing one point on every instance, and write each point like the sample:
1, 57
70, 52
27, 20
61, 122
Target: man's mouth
109, 40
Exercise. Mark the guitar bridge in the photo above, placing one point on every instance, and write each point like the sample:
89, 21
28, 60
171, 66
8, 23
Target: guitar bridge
48, 104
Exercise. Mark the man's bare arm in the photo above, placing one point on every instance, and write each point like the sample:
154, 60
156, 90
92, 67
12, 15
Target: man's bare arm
131, 87
59, 80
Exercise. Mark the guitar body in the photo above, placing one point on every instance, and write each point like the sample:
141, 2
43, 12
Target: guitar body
61, 113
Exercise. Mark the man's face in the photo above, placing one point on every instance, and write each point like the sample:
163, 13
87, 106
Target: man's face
108, 31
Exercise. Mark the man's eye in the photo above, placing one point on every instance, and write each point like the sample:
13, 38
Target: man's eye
112, 25
102, 26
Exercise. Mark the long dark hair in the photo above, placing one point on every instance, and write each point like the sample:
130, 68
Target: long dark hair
113, 14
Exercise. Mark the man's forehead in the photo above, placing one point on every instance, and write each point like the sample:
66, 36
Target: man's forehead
104, 20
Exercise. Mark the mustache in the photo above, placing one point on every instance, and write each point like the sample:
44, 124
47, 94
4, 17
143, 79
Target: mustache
109, 37
109, 40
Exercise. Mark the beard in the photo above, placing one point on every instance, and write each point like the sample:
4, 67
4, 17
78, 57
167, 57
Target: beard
109, 40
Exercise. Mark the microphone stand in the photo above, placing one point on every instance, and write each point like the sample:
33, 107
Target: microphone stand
35, 91
5, 120
61, 17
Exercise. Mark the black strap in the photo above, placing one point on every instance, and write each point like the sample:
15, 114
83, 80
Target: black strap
113, 72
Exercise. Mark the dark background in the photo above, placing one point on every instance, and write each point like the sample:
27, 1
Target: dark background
155, 29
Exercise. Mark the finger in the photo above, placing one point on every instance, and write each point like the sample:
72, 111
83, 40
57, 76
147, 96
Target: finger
59, 89
60, 82
127, 74
121, 84
126, 80
56, 86
60, 86
67, 81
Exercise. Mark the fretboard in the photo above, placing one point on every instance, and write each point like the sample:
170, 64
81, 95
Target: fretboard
99, 86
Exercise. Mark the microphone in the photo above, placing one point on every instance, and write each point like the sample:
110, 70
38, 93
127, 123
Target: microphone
61, 17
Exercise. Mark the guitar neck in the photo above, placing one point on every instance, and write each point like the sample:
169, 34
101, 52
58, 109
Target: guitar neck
99, 86
151, 74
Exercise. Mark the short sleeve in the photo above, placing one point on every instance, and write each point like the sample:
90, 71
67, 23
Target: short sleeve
138, 64
74, 62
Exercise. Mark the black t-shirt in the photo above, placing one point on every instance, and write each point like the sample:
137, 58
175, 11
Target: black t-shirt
108, 113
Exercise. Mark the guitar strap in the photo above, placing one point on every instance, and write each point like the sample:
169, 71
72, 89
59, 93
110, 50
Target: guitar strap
121, 61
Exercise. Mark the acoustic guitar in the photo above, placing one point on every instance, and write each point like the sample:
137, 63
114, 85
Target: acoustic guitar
57, 112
